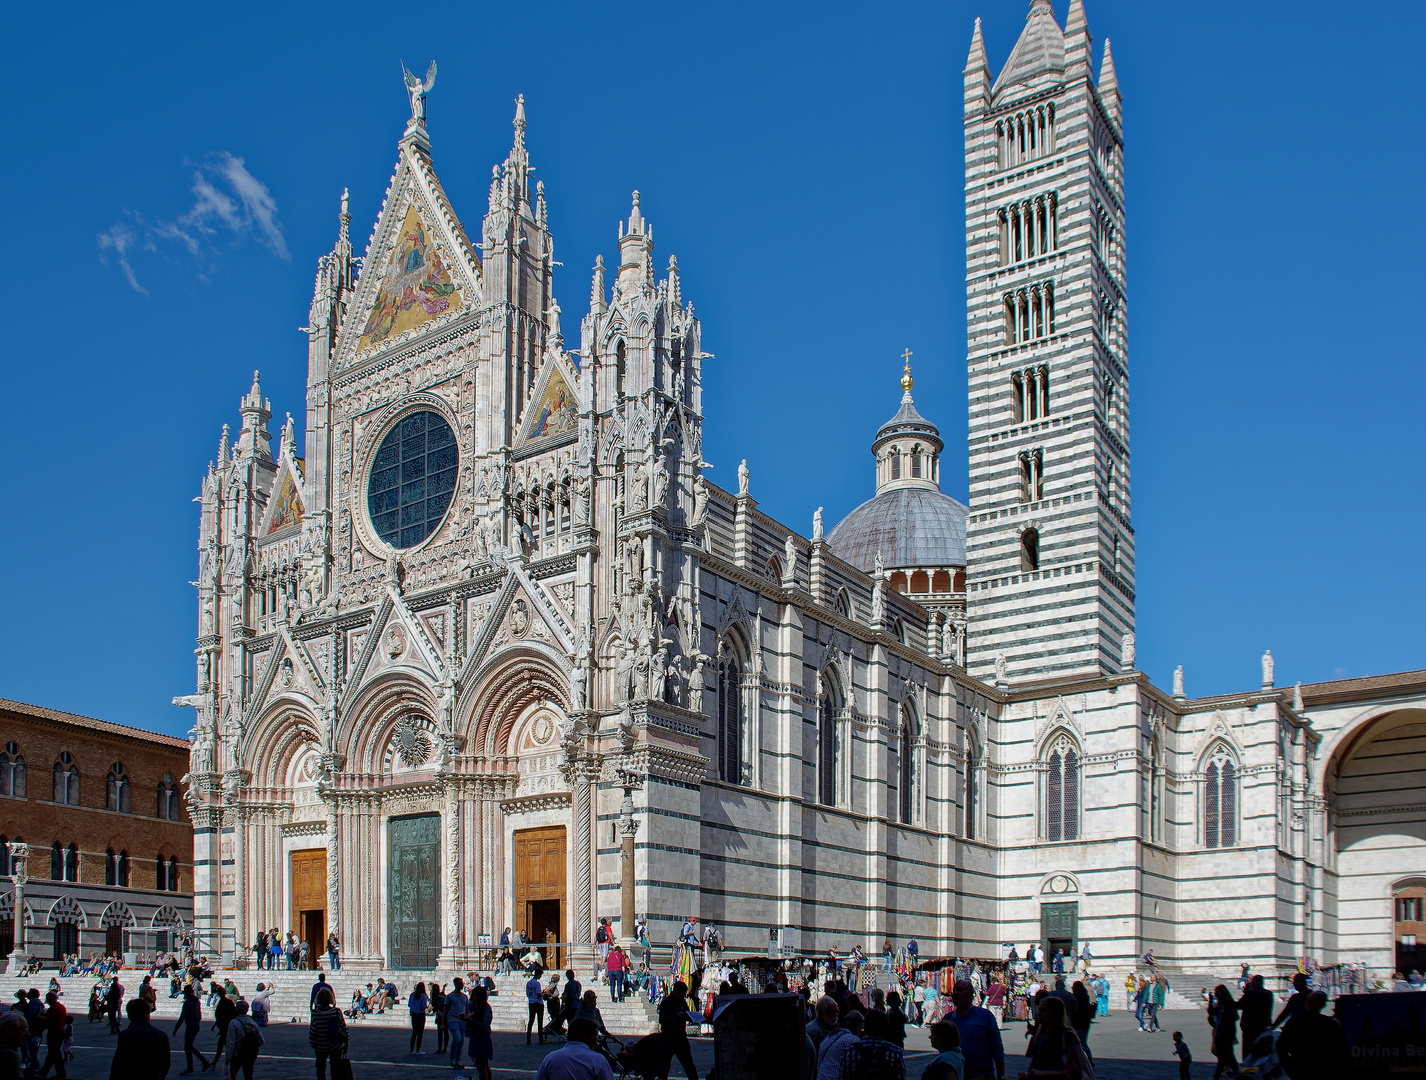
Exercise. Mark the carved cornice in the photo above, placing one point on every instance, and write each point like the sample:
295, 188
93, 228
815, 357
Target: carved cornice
529, 804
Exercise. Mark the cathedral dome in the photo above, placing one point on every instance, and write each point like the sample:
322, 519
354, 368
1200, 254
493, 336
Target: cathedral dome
909, 526
908, 521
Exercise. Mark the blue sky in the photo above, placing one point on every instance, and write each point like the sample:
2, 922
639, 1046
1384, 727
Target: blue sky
183, 164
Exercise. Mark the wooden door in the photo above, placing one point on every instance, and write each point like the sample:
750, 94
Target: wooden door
539, 877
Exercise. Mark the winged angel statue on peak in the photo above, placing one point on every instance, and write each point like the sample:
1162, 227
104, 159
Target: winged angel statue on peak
418, 90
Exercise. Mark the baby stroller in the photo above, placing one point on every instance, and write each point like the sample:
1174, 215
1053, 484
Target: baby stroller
647, 1059
1260, 1061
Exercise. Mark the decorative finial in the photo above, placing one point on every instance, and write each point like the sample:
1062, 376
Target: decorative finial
906, 372
520, 121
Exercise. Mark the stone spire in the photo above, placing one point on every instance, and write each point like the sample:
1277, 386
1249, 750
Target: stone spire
254, 440
1077, 41
517, 165
1040, 51
597, 295
1109, 86
636, 245
977, 74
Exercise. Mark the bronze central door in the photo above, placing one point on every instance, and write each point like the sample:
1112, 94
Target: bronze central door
414, 845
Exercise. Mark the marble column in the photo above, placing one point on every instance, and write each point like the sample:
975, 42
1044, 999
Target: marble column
19, 855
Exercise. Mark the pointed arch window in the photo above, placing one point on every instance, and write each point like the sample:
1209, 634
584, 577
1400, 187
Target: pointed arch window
173, 873
906, 769
12, 772
66, 781
116, 789
1062, 793
844, 603
111, 867
4, 855
620, 371
71, 863
1220, 802
56, 862
123, 869
161, 876
972, 787
827, 750
730, 719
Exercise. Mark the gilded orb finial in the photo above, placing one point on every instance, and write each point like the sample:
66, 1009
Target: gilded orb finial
906, 372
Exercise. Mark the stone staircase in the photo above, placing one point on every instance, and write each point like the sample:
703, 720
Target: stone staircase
635, 1015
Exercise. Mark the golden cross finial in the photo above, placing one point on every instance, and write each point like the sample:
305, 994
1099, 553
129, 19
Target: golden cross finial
906, 373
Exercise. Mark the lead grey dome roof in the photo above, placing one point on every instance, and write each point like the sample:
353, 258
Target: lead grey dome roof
910, 526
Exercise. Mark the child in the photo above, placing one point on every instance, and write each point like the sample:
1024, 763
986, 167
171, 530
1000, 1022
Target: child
66, 1048
1185, 1059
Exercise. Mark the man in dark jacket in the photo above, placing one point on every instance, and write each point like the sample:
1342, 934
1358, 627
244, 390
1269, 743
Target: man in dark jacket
190, 1019
55, 1018
569, 1002
1311, 1046
1295, 1002
112, 1000
143, 1052
673, 1024
1255, 1009
223, 1013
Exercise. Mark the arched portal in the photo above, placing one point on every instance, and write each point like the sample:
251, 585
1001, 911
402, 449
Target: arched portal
1376, 832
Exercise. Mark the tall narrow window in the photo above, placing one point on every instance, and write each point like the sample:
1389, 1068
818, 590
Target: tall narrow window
71, 863
1017, 397
56, 862
1037, 463
1062, 793
906, 763
160, 874
619, 372
827, 752
972, 779
12, 772
895, 463
124, 869
730, 721
111, 868
916, 462
1025, 478
1030, 549
1220, 803
1044, 387
844, 604
173, 874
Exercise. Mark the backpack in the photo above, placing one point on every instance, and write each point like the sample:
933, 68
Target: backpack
601, 936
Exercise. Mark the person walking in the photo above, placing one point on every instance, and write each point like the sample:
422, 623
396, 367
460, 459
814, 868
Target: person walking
223, 1012
673, 1025
418, 1004
1255, 1009
1311, 1046
436, 1007
113, 999
569, 1001
981, 1045
829, 1053
481, 1016
1225, 1031
1082, 1016
243, 1042
874, 1054
1158, 998
603, 938
142, 1051
457, 1005
895, 1020
327, 1034
334, 951
260, 949
190, 1018
1296, 1002
54, 1021
946, 1041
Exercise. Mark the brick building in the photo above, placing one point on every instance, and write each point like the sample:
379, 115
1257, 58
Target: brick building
110, 841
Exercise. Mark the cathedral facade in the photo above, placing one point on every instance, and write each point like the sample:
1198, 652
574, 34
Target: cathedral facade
486, 649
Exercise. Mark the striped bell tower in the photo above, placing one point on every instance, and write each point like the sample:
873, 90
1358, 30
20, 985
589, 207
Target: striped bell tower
1049, 540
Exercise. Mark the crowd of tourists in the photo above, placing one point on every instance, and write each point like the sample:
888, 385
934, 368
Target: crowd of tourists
274, 951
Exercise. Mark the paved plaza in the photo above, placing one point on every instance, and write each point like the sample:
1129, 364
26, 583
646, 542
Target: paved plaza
1121, 1052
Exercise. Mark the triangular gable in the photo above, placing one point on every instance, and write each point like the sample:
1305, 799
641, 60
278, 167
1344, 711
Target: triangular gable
419, 270
553, 411
396, 639
522, 611
286, 670
284, 507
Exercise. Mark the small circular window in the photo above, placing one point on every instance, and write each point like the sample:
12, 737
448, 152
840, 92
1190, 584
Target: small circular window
412, 479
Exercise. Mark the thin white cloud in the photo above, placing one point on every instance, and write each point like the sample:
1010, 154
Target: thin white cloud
230, 205
119, 239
